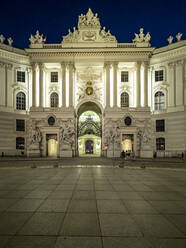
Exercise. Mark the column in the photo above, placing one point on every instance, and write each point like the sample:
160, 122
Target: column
28, 70
138, 84
115, 84
41, 67
145, 84
63, 67
107, 68
33, 84
71, 69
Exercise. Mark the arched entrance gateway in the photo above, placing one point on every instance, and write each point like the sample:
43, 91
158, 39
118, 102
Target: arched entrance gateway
89, 130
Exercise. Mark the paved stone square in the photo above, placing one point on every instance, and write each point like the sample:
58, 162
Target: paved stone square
98, 207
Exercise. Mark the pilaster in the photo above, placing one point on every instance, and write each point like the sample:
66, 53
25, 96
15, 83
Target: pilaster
115, 84
63, 68
33, 84
107, 70
138, 84
41, 68
145, 93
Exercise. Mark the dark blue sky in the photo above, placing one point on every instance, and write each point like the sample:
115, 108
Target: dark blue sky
53, 18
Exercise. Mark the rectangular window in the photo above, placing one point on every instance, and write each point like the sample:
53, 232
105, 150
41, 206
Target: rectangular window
54, 77
160, 125
21, 76
160, 144
159, 75
124, 76
20, 125
20, 143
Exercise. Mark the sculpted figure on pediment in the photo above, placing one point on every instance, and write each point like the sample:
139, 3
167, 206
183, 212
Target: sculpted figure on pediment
178, 36
142, 38
10, 41
2, 38
89, 19
37, 38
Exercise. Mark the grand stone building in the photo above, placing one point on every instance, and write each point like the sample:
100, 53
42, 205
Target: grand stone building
90, 95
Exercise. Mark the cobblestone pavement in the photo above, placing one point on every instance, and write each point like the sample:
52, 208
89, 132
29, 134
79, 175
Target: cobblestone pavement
98, 207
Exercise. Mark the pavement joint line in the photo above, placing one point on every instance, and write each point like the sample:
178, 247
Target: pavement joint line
92, 166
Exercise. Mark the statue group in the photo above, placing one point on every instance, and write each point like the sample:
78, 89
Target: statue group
67, 134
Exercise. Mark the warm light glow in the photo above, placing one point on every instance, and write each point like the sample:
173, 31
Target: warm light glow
52, 148
96, 145
127, 145
30, 89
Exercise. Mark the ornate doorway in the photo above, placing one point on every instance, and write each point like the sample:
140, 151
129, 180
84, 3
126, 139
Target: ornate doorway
89, 147
52, 145
89, 130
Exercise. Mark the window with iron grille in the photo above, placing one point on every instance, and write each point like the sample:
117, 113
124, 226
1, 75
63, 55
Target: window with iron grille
124, 76
160, 144
159, 75
21, 76
159, 100
20, 125
124, 99
21, 101
54, 100
160, 125
54, 77
20, 143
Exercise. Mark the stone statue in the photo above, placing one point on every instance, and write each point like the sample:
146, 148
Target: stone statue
37, 38
2, 38
89, 29
10, 41
103, 33
35, 134
144, 135
147, 37
112, 134
178, 36
142, 38
67, 134
170, 39
89, 20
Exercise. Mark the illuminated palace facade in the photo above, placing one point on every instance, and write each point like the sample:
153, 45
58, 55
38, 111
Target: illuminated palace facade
92, 96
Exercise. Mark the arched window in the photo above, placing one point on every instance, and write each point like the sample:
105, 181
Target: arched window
21, 101
124, 99
159, 100
54, 99
160, 144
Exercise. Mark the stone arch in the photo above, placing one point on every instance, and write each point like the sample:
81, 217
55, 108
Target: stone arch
82, 107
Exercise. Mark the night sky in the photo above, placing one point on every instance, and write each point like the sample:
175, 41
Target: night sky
53, 18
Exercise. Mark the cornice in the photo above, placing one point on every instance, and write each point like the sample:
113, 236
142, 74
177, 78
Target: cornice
174, 54
14, 57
